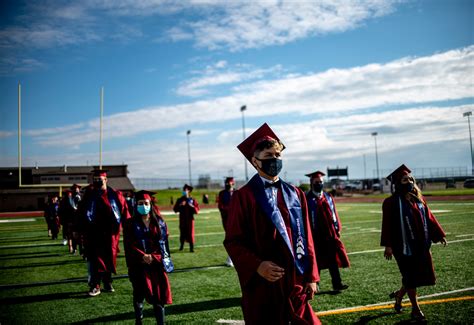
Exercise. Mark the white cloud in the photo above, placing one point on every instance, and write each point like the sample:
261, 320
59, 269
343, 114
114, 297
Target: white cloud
238, 25
440, 77
6, 134
214, 76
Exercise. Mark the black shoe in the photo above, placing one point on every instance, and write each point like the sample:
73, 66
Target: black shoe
108, 287
138, 307
181, 247
340, 287
418, 316
159, 314
398, 301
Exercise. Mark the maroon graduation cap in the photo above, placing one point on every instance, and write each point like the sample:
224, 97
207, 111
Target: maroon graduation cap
398, 173
264, 132
74, 186
229, 180
99, 172
187, 187
315, 174
144, 195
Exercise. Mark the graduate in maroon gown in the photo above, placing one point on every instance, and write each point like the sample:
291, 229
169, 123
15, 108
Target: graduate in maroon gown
408, 229
145, 236
68, 216
326, 226
51, 216
269, 239
187, 207
103, 210
223, 203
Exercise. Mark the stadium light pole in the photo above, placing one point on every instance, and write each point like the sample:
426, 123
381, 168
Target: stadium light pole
189, 157
242, 109
101, 115
374, 134
468, 114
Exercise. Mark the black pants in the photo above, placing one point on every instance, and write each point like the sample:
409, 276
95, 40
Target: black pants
335, 276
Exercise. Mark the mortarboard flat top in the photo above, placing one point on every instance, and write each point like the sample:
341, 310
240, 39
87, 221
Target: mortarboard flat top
229, 180
144, 195
398, 173
264, 132
315, 174
74, 186
187, 187
99, 172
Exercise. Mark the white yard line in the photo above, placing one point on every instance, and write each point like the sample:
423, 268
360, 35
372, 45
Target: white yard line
17, 220
466, 235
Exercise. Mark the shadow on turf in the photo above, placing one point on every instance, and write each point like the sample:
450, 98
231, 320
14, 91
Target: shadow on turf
170, 310
40, 298
12, 267
32, 255
368, 319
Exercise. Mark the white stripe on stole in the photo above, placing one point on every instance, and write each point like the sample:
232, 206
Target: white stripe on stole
406, 248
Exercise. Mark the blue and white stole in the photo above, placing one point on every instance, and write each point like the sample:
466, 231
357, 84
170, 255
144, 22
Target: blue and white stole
165, 254
293, 204
406, 216
114, 204
333, 210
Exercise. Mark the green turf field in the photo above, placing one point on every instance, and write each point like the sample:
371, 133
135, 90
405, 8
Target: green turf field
205, 291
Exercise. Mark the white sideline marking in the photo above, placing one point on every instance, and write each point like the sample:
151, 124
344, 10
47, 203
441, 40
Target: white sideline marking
441, 211
466, 235
229, 321
17, 220
406, 299
375, 211
232, 321
202, 234
172, 213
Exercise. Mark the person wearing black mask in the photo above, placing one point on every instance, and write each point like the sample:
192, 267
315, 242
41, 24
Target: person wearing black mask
326, 227
408, 229
223, 203
102, 212
268, 238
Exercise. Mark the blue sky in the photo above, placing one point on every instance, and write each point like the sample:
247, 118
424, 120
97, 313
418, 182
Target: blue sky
323, 74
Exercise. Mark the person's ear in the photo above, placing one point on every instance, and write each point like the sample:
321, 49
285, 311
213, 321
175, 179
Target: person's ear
254, 162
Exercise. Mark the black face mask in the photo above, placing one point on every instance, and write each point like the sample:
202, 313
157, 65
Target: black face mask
272, 166
228, 187
405, 188
98, 184
318, 187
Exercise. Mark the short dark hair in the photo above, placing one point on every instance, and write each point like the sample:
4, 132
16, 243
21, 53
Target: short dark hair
267, 144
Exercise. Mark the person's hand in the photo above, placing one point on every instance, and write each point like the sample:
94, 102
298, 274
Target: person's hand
443, 241
147, 259
311, 288
270, 271
388, 253
183, 202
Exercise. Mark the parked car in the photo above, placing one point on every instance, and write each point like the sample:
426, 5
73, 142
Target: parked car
469, 183
355, 185
376, 186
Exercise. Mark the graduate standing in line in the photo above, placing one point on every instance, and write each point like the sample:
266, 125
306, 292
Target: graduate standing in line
148, 258
68, 216
51, 216
269, 239
408, 229
223, 203
103, 210
187, 207
326, 227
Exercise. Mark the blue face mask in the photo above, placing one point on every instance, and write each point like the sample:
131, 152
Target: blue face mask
185, 193
143, 209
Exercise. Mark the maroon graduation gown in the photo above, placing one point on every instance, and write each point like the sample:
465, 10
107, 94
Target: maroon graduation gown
186, 219
102, 238
417, 270
252, 238
223, 203
327, 243
149, 281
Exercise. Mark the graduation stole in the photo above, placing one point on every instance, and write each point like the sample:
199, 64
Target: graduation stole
293, 205
406, 223
165, 254
114, 204
313, 208
333, 210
